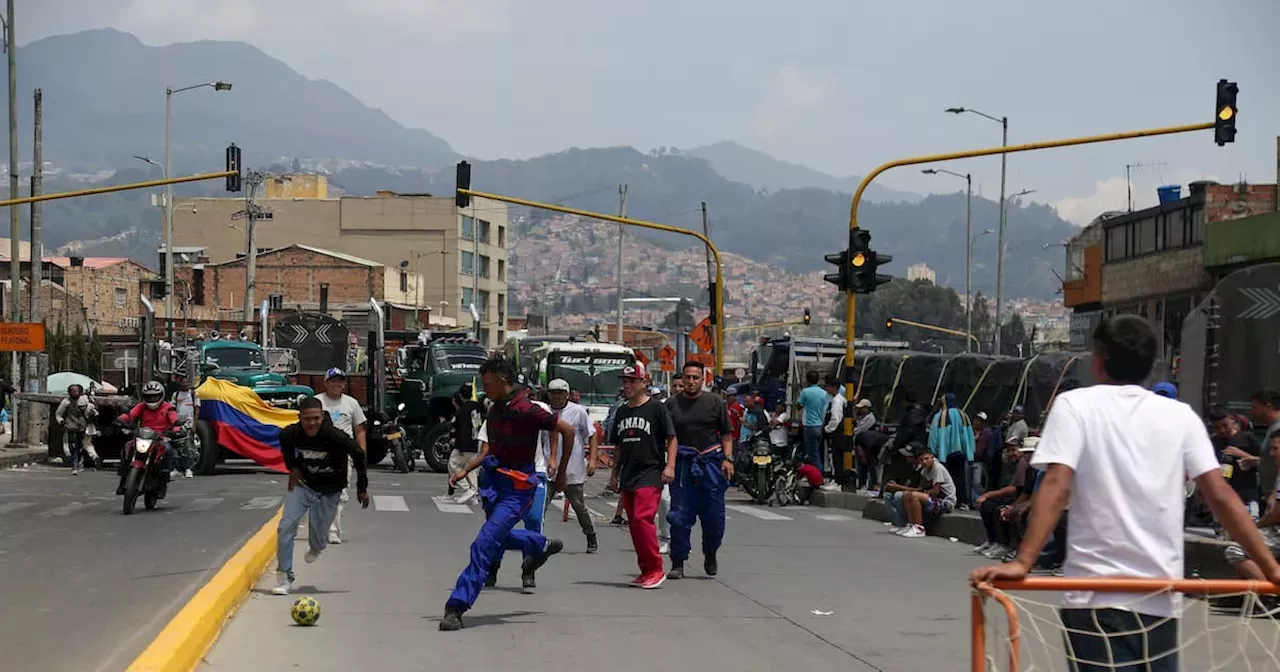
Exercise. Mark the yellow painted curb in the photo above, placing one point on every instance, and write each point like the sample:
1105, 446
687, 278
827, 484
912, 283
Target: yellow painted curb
185, 640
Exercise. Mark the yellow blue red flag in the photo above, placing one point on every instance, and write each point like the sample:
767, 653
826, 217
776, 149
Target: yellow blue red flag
245, 424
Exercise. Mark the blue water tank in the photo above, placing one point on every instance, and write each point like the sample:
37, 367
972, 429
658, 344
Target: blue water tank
1169, 193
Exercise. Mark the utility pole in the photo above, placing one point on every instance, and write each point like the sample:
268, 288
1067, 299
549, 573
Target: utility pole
36, 370
15, 261
622, 212
252, 214
1004, 209
711, 272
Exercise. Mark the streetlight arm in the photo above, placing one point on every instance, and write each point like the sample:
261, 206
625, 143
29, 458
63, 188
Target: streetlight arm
960, 110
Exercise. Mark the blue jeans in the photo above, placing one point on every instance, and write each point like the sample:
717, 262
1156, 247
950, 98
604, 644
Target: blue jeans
977, 479
533, 519
813, 446
897, 508
300, 501
75, 443
697, 495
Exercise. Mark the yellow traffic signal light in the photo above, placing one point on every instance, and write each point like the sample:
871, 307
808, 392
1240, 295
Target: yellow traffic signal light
806, 316
1226, 113
1224, 125
859, 260
888, 324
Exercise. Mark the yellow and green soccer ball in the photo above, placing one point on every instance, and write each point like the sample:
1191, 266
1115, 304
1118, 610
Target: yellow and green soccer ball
306, 611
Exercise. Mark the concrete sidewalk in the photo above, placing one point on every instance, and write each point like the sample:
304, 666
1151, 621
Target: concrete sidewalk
18, 456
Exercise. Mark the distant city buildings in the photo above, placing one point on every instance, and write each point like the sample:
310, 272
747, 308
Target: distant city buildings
921, 272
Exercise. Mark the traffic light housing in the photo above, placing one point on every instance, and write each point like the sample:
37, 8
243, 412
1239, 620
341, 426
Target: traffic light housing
864, 263
463, 181
1224, 120
841, 277
888, 324
806, 316
233, 164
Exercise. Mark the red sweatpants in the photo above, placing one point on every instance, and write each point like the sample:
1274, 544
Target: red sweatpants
641, 506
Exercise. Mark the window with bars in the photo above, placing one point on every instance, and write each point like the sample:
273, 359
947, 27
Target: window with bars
467, 261
468, 228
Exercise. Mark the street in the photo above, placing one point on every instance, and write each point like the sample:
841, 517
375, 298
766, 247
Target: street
804, 588
86, 588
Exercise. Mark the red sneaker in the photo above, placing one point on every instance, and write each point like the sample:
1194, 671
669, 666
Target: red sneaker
638, 581
651, 581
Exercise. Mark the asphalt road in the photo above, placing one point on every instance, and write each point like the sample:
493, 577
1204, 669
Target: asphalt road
85, 588
799, 588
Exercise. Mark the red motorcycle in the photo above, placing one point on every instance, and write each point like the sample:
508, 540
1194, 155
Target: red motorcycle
146, 474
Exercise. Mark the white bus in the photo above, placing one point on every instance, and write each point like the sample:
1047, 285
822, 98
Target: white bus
592, 369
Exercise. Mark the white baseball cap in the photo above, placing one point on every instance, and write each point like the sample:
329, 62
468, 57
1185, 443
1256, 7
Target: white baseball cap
863, 403
558, 385
982, 414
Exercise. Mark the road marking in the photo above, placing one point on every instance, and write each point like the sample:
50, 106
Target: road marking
446, 505
831, 516
203, 503
65, 510
261, 503
10, 507
389, 503
757, 513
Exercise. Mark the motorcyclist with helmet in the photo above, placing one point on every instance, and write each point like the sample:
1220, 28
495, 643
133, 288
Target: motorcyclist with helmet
157, 414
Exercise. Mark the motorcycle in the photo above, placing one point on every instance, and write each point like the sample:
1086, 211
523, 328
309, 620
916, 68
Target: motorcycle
758, 480
146, 475
786, 480
403, 452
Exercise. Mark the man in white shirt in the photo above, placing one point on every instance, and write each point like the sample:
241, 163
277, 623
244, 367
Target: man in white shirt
1120, 456
579, 468
345, 413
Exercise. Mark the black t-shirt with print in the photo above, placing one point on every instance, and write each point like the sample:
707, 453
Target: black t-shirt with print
1245, 483
640, 436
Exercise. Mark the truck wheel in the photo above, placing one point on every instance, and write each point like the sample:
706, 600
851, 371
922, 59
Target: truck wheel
208, 460
436, 447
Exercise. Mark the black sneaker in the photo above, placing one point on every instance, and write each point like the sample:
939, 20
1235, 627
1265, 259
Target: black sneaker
491, 580
535, 562
710, 565
592, 545
527, 581
120, 490
452, 620
618, 520
677, 571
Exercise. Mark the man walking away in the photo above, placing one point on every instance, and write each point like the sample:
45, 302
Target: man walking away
466, 429
318, 457
578, 469
509, 482
1124, 527
348, 417
704, 467
645, 439
813, 400
74, 413
188, 406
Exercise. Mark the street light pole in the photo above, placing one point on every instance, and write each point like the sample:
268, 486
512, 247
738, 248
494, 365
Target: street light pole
1004, 166
968, 250
168, 197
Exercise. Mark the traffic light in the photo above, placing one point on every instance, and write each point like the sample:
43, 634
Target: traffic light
1224, 121
888, 324
463, 181
806, 316
864, 262
841, 277
233, 163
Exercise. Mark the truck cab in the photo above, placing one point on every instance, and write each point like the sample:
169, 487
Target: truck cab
248, 364
425, 376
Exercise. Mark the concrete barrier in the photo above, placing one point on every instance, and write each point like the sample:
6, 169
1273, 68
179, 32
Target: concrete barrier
1202, 556
183, 642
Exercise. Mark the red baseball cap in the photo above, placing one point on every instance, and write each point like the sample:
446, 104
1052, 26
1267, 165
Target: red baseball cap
636, 371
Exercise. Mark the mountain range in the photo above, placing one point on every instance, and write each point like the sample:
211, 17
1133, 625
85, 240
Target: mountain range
103, 105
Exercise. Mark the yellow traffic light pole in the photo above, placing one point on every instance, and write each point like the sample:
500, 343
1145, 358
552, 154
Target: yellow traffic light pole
850, 301
114, 188
934, 327
717, 300
764, 325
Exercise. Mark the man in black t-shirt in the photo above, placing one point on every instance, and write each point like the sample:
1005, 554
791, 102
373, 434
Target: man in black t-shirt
645, 439
316, 454
1239, 454
704, 467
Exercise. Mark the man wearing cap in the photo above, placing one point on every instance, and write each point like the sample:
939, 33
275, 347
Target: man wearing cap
1017, 424
994, 504
345, 413
579, 469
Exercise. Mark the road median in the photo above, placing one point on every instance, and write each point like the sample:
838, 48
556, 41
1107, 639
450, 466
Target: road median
183, 642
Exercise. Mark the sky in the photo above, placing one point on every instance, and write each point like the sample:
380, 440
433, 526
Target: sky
838, 85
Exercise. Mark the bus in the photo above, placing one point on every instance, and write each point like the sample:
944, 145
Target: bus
592, 369
520, 350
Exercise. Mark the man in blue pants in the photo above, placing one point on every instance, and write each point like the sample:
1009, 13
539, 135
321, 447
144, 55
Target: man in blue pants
509, 484
704, 468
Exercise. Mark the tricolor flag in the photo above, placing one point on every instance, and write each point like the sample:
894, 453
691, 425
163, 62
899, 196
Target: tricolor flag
245, 424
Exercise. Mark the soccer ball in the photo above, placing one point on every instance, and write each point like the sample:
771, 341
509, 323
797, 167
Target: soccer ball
306, 611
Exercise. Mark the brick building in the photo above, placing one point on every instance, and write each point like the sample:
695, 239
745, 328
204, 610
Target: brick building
105, 290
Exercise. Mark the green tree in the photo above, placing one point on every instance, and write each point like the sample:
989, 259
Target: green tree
57, 349
982, 322
1014, 334
93, 361
77, 351
918, 301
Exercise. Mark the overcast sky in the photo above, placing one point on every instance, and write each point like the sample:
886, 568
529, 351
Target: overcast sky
838, 85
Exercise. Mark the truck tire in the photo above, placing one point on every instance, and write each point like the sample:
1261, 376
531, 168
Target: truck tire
209, 450
436, 448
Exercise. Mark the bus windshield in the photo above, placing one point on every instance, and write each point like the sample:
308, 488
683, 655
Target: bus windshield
597, 376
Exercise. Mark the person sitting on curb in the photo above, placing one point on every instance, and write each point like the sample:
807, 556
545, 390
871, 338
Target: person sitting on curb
895, 492
993, 502
937, 495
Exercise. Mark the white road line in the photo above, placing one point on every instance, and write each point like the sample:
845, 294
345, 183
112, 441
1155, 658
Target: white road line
757, 513
203, 503
389, 503
447, 505
261, 503
10, 507
65, 510
831, 516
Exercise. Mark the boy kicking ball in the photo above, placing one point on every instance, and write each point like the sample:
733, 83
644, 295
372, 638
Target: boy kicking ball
316, 455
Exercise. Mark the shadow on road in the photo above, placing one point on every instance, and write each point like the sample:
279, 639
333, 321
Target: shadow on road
492, 619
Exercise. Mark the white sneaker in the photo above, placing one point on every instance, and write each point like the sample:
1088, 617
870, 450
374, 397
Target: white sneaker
188, 474
664, 547
996, 551
914, 532
986, 546
312, 555
175, 474
897, 530
466, 497
283, 586
334, 538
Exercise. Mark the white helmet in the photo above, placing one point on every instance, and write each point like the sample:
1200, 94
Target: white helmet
152, 394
